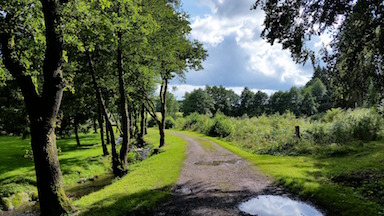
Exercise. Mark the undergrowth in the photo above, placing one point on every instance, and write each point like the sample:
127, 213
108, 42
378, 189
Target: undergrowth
338, 132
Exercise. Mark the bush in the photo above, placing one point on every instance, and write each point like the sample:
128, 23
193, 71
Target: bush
221, 126
275, 134
152, 122
169, 122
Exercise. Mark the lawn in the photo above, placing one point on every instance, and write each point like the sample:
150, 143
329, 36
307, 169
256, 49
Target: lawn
351, 184
87, 176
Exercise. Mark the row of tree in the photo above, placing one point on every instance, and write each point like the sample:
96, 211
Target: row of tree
318, 95
308, 100
100, 61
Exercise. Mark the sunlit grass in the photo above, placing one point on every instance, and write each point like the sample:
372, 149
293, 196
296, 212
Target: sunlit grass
146, 184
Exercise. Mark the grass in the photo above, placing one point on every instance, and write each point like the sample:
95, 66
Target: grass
313, 178
146, 184
17, 173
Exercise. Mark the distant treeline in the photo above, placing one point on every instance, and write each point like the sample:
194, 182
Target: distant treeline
317, 96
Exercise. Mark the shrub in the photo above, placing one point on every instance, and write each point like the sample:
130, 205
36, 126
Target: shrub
152, 122
221, 126
333, 115
169, 122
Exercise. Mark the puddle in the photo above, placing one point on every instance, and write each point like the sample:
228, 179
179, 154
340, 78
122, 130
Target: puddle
217, 163
269, 205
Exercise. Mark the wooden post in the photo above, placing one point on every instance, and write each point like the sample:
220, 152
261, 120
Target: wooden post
297, 129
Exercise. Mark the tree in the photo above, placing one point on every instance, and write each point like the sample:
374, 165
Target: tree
259, 103
172, 105
309, 106
42, 96
197, 101
357, 48
13, 116
279, 102
174, 52
224, 100
245, 102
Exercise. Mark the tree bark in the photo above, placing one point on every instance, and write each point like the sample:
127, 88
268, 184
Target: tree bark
100, 120
131, 121
163, 93
107, 134
94, 125
142, 126
116, 166
76, 125
146, 124
123, 108
42, 109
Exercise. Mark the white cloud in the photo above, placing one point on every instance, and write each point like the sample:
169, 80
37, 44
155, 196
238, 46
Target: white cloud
235, 19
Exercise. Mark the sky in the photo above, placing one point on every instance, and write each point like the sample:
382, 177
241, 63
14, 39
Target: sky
238, 56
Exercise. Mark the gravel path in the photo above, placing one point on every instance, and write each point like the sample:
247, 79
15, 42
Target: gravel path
213, 181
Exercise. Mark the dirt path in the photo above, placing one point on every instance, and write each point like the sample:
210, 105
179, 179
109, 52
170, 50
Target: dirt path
212, 182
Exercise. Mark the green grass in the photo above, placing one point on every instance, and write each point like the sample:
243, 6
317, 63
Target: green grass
143, 187
17, 173
146, 184
311, 178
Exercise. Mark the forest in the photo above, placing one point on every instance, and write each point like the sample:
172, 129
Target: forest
89, 124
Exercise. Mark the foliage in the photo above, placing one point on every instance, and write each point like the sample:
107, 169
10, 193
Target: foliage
275, 134
221, 126
197, 101
354, 59
169, 122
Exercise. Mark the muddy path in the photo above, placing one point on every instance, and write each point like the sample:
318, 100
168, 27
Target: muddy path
213, 181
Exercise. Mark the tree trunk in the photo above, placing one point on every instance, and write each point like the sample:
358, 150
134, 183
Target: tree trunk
163, 93
100, 120
52, 198
107, 133
42, 109
142, 126
94, 125
115, 157
123, 109
146, 124
131, 122
76, 125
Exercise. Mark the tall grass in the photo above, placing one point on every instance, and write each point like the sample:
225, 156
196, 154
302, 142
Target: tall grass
336, 132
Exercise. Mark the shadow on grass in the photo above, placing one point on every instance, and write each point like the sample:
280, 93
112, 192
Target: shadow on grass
78, 190
142, 203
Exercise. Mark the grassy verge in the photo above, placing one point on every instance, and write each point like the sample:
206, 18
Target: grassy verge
316, 178
17, 173
147, 183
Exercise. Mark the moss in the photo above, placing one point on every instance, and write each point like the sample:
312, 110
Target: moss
6, 202
20, 199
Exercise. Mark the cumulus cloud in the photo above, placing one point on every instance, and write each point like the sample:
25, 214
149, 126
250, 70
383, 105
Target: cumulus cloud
237, 55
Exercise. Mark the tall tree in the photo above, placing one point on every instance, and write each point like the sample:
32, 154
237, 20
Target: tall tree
245, 101
197, 101
259, 103
174, 52
42, 98
224, 100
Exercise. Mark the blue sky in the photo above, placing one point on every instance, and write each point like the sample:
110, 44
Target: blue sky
238, 57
